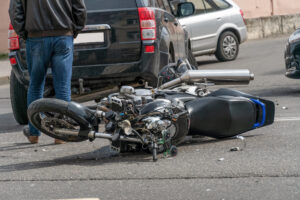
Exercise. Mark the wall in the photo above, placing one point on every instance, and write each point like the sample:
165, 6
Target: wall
255, 8
4, 22
264, 8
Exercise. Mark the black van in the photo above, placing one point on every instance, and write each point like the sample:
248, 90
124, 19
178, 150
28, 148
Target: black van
124, 42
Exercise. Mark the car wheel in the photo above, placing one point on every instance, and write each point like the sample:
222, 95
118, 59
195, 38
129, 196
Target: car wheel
228, 47
18, 97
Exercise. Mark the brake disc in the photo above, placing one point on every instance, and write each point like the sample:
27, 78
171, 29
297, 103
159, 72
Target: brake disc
60, 127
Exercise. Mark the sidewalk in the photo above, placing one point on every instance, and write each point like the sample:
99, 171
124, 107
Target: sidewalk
5, 69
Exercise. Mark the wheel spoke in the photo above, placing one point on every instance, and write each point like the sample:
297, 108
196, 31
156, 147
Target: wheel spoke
229, 46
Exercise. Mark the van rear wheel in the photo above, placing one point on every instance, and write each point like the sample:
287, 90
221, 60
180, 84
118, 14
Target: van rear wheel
18, 98
228, 47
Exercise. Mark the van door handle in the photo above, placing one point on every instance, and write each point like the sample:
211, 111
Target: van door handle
219, 18
176, 23
166, 19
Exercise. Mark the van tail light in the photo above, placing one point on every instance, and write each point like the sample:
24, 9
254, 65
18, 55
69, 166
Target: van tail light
147, 23
149, 49
13, 39
242, 14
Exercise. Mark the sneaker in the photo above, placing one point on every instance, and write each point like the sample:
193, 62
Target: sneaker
31, 139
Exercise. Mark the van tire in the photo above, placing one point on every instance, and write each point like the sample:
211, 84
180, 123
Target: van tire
18, 98
228, 47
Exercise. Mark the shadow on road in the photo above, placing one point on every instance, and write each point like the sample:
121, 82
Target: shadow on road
206, 62
95, 158
8, 123
98, 157
208, 140
277, 92
276, 72
21, 146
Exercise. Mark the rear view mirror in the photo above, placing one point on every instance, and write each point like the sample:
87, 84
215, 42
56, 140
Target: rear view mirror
185, 9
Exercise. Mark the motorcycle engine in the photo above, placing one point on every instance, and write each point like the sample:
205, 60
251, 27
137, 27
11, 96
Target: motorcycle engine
138, 114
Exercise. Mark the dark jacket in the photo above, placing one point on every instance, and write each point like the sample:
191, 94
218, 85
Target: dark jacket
41, 18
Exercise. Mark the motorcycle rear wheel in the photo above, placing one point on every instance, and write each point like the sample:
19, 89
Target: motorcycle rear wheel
51, 116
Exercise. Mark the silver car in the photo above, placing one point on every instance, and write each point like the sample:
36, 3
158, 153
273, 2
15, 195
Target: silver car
214, 26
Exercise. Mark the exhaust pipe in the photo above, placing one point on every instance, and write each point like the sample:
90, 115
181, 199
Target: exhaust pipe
218, 77
107, 136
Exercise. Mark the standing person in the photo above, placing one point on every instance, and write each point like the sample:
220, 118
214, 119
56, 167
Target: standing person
48, 28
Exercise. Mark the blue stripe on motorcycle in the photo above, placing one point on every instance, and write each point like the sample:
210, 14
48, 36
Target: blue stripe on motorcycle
263, 107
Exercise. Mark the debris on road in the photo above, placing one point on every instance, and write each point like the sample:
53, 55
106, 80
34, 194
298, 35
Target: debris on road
240, 147
285, 108
235, 149
221, 159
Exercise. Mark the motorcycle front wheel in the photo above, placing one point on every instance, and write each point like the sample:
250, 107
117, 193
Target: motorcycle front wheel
55, 118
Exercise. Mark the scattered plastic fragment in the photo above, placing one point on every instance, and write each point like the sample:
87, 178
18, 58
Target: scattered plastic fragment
235, 149
44, 149
241, 146
221, 159
208, 190
285, 108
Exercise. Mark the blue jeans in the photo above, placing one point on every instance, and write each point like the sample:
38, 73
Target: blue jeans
44, 52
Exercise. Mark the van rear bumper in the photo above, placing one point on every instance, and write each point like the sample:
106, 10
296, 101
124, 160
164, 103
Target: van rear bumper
95, 77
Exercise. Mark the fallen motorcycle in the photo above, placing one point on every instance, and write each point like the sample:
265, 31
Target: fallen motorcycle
158, 119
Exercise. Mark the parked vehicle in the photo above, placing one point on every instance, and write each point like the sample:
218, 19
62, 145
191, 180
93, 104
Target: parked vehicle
124, 42
156, 120
292, 56
216, 27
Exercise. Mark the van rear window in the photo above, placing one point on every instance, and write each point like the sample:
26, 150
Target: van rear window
109, 4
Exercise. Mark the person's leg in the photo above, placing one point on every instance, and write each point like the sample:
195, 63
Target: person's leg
62, 61
37, 51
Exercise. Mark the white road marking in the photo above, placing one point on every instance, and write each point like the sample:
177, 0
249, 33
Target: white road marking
81, 199
285, 119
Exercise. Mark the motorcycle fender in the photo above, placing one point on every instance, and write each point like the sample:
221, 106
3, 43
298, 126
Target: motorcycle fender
82, 115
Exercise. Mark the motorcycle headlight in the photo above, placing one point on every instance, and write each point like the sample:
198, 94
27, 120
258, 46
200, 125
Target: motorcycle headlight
126, 126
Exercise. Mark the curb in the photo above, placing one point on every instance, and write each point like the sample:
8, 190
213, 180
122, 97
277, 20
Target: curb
4, 80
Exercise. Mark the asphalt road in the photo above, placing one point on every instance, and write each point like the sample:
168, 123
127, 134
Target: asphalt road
269, 167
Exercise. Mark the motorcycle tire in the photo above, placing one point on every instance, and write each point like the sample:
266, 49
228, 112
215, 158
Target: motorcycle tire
38, 111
